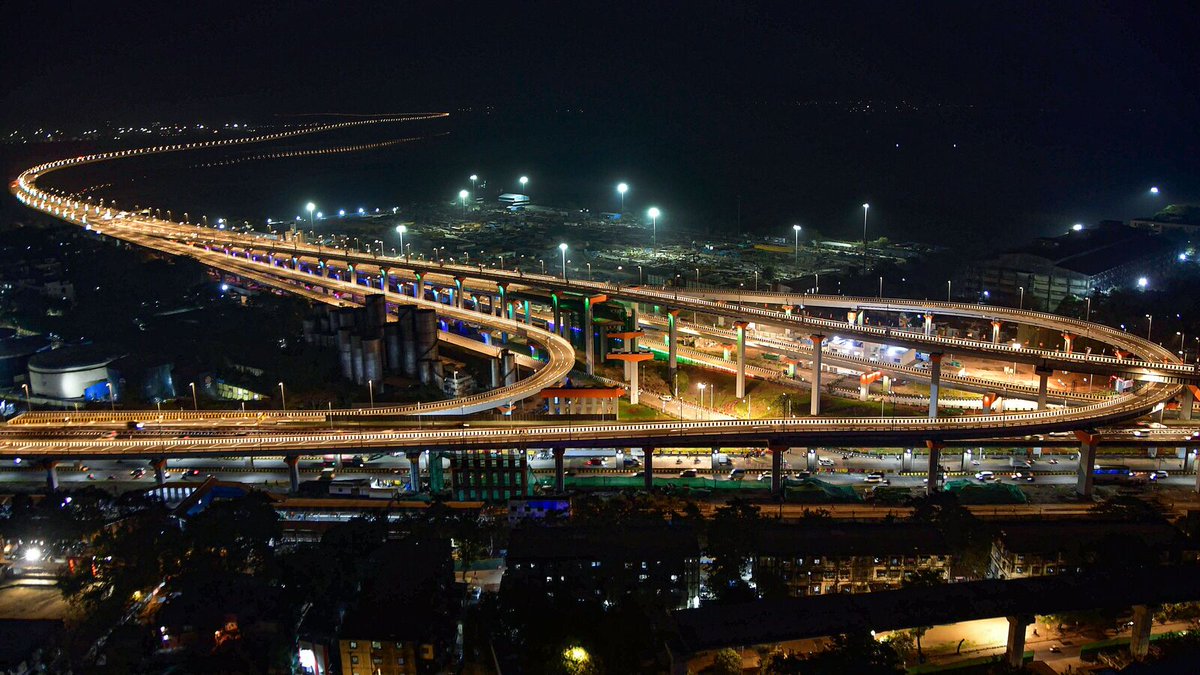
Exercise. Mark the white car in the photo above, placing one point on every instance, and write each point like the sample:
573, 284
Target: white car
825, 462
876, 478
985, 476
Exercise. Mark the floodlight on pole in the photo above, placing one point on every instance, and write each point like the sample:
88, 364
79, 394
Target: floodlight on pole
796, 229
654, 213
622, 188
562, 248
310, 207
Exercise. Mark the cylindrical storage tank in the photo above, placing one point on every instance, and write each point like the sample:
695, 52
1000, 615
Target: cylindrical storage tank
376, 310
345, 352
406, 323
391, 341
372, 359
426, 340
356, 358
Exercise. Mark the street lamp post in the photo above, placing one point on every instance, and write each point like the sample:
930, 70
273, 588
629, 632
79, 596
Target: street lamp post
1088, 314
524, 180
195, 400
462, 197
755, 281
796, 229
282, 398
112, 400
866, 207
29, 406
622, 188
639, 275
654, 213
562, 248
473, 179
1149, 325
371, 391
1022, 305
589, 266
947, 290
310, 207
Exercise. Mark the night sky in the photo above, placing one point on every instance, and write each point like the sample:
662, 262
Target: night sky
83, 61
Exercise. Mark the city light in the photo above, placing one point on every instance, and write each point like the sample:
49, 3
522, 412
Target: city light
1154, 190
1142, 282
622, 188
654, 213
1077, 227
32, 554
524, 180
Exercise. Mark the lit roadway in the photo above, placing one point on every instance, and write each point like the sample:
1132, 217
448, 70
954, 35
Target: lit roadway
266, 262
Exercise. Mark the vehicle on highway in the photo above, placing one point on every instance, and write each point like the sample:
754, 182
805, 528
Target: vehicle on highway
639, 474
1158, 474
135, 426
595, 461
825, 462
137, 473
1053, 461
985, 476
877, 478
737, 474
1055, 649
687, 473
1110, 474
1022, 476
632, 461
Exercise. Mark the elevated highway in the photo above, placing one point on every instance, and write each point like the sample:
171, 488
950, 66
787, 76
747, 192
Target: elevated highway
293, 266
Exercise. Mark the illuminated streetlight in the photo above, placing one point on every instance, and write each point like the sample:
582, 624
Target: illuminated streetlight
866, 207
562, 248
1142, 282
282, 398
473, 179
462, 197
400, 230
622, 188
1077, 227
654, 213
195, 401
796, 229
1154, 190
310, 207
523, 181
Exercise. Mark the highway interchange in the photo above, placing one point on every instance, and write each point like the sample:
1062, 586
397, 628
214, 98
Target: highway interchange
306, 269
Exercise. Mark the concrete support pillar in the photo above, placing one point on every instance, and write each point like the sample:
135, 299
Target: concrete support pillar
1068, 339
740, 327
906, 460
419, 287
1085, 476
510, 367
414, 470
817, 341
1186, 401
1186, 455
293, 466
384, 274
777, 468
634, 386
1043, 385
496, 378
935, 380
989, 399
648, 462
558, 328
528, 316
1139, 640
51, 467
996, 332
929, 324
458, 292
811, 462
560, 485
672, 346
1014, 654
966, 460
933, 483
160, 471
589, 341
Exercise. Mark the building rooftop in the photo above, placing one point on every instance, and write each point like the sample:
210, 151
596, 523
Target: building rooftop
1094, 250
74, 357
634, 542
1052, 537
850, 539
